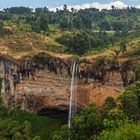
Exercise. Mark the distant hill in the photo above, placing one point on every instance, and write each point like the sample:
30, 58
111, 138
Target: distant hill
84, 32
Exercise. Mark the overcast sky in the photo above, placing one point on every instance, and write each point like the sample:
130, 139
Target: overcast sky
52, 4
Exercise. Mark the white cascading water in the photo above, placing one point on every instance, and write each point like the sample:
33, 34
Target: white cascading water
73, 94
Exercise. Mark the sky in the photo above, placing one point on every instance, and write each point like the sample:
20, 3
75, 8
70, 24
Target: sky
78, 4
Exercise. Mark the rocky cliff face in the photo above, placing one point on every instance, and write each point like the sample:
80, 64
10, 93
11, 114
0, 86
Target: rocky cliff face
49, 94
47, 91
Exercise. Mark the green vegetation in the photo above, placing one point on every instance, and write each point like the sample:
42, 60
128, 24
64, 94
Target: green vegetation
82, 32
20, 125
84, 42
126, 132
113, 34
117, 121
115, 19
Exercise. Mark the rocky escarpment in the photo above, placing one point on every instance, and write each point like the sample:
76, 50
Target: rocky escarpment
47, 91
49, 94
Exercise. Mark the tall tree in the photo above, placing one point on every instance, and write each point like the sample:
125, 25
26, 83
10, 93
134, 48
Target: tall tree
43, 22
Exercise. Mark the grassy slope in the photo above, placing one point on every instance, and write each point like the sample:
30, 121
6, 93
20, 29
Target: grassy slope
41, 126
133, 49
33, 43
20, 44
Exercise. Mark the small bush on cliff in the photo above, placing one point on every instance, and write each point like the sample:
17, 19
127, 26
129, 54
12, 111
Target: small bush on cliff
114, 119
134, 89
129, 104
109, 104
130, 101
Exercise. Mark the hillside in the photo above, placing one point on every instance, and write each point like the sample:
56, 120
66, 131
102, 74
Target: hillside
19, 41
27, 31
20, 44
47, 56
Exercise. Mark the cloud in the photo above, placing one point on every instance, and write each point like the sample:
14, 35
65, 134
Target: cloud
138, 6
100, 6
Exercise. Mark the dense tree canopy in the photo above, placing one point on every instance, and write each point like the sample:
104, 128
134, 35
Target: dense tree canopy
126, 132
115, 19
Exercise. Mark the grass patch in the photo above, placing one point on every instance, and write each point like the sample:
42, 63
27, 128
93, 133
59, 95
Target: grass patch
41, 125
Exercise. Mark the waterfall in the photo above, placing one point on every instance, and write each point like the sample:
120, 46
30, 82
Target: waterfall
73, 94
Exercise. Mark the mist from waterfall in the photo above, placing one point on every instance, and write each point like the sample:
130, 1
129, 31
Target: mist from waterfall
73, 94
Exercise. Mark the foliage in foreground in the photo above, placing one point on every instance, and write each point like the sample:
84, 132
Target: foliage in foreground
20, 125
126, 132
12, 130
117, 121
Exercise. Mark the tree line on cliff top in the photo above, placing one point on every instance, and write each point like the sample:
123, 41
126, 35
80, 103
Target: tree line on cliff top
92, 18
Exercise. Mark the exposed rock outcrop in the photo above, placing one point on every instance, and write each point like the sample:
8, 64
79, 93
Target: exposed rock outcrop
49, 93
